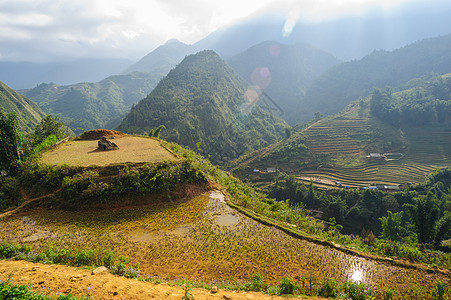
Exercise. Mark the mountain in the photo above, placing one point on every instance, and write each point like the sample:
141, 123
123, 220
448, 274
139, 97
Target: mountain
411, 127
85, 106
29, 113
348, 37
24, 75
162, 59
291, 69
202, 105
347, 82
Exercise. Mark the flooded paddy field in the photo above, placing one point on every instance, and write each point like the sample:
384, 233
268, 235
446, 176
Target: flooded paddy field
204, 239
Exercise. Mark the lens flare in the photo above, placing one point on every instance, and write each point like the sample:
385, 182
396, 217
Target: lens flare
261, 77
274, 50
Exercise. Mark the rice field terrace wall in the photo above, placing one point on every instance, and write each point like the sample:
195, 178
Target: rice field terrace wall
74, 188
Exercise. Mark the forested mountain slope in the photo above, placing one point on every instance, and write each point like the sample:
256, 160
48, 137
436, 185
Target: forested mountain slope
206, 105
86, 106
349, 81
29, 113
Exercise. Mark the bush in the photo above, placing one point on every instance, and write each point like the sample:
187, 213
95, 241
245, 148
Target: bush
286, 286
256, 282
10, 250
439, 291
329, 288
22, 292
9, 192
357, 291
388, 294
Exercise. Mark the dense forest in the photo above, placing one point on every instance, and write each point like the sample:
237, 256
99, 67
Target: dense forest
429, 102
421, 213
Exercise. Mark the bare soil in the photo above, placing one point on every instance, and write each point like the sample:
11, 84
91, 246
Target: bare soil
54, 280
96, 134
84, 152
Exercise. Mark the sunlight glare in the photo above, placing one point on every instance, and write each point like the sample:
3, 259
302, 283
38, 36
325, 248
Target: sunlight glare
357, 275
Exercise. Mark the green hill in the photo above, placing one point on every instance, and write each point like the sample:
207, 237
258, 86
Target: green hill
202, 105
29, 113
347, 82
292, 70
336, 147
86, 106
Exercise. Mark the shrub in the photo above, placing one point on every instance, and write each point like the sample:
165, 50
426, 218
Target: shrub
357, 291
286, 286
388, 294
329, 288
9, 192
439, 291
22, 292
256, 282
10, 250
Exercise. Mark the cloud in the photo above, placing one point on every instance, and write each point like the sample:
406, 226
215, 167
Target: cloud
42, 30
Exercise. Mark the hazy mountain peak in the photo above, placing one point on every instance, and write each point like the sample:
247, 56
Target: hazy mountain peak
162, 59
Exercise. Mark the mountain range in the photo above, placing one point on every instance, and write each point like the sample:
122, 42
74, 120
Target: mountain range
25, 75
348, 81
205, 105
85, 106
412, 128
347, 38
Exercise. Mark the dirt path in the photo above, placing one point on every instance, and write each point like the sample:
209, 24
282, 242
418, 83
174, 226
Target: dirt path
57, 279
26, 202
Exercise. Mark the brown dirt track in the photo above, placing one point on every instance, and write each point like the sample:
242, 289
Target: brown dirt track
55, 280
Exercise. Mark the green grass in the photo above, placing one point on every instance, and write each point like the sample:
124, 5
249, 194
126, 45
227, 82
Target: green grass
22, 292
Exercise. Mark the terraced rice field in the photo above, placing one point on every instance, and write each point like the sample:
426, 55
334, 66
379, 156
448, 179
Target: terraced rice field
391, 173
204, 239
339, 136
346, 140
430, 145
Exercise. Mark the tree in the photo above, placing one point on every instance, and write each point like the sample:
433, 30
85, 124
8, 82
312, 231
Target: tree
10, 140
391, 225
380, 102
425, 213
48, 126
317, 116
156, 133
443, 229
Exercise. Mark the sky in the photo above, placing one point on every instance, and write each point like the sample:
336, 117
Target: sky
46, 30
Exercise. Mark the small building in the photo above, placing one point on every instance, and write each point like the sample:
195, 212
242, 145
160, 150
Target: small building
271, 170
389, 188
375, 156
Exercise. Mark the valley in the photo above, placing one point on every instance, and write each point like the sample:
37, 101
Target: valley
276, 157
